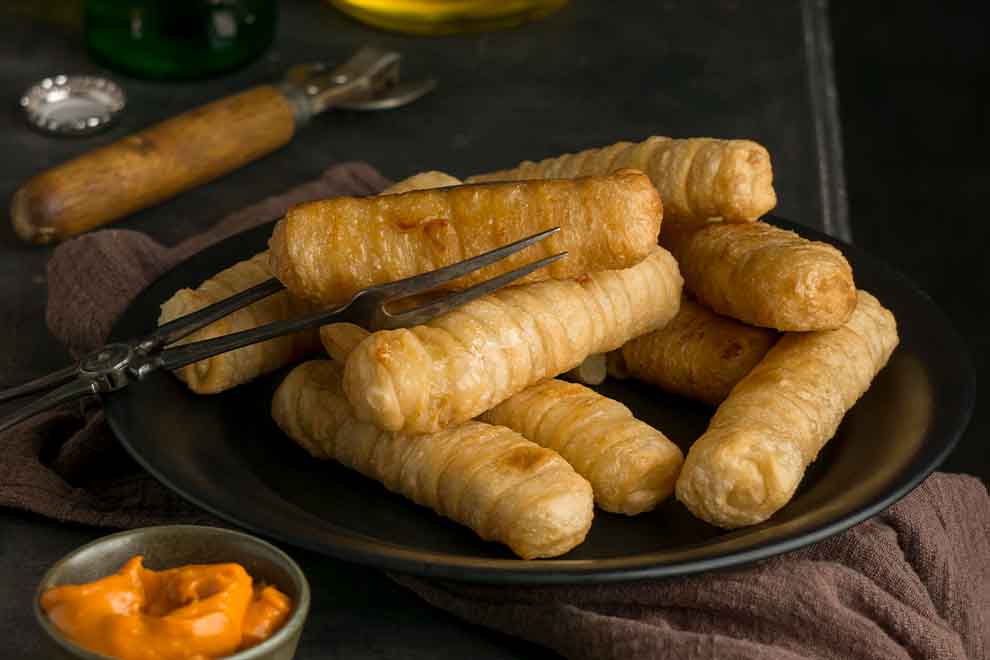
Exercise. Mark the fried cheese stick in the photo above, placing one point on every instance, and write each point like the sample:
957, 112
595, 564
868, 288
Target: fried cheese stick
327, 251
443, 373
763, 275
631, 466
751, 459
699, 354
698, 178
486, 477
233, 368
221, 372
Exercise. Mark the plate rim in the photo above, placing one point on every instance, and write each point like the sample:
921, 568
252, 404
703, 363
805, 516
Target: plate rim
369, 552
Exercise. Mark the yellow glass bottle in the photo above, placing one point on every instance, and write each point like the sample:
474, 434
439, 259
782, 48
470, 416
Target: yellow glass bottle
446, 16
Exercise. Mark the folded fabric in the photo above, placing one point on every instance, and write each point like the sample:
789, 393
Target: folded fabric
66, 464
910, 583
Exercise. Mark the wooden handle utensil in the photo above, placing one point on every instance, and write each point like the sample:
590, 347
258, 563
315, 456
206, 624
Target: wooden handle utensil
198, 146
151, 166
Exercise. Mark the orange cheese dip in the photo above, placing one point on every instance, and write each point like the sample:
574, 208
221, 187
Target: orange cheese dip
191, 612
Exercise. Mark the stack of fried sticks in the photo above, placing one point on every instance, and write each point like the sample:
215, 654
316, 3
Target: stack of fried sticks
465, 413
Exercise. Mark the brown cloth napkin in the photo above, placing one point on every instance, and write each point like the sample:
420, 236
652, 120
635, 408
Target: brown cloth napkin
913, 582
66, 464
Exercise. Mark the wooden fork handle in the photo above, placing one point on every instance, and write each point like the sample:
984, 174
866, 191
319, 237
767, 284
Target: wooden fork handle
151, 166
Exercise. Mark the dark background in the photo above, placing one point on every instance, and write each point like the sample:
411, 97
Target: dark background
913, 102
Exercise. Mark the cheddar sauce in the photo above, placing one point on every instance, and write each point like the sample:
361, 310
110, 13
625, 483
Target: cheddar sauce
191, 612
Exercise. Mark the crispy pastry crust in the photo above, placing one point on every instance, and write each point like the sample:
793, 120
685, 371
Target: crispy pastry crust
228, 370
763, 275
698, 178
751, 459
429, 377
486, 477
699, 354
631, 466
327, 251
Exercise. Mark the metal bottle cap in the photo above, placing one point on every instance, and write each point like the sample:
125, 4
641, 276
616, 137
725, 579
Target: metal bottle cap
73, 105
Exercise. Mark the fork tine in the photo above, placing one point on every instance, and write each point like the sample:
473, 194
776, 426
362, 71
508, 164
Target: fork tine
355, 310
186, 325
431, 310
434, 278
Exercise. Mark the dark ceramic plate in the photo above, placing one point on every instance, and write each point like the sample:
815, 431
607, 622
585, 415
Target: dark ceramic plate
225, 454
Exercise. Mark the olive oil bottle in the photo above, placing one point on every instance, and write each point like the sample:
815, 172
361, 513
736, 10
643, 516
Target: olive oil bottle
446, 16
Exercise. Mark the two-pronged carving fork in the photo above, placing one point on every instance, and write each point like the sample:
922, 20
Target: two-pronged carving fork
116, 365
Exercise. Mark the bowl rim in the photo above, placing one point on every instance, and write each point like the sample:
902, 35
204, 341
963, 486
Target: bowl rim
291, 626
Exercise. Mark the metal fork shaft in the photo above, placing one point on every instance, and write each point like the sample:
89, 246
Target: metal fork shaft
367, 308
75, 389
186, 325
177, 357
38, 384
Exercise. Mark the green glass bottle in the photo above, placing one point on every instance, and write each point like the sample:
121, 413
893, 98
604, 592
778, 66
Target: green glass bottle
178, 38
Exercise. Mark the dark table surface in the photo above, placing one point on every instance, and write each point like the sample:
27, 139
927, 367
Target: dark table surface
587, 76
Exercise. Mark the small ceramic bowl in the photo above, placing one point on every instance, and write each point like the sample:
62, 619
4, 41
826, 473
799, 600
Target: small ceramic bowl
174, 545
